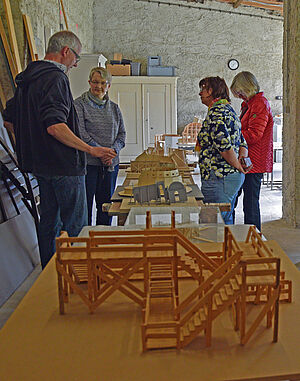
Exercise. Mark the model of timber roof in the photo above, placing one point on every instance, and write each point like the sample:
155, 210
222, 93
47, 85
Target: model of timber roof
239, 275
154, 158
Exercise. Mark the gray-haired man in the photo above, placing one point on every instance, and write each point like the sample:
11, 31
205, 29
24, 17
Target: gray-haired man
48, 142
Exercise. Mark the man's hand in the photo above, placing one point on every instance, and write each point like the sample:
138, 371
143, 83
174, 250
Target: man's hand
62, 133
104, 153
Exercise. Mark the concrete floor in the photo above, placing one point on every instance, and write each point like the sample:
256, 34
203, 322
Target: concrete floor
273, 228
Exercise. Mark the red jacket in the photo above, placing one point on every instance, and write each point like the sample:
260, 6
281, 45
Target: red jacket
257, 129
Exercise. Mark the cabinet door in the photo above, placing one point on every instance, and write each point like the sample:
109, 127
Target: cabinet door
156, 111
128, 97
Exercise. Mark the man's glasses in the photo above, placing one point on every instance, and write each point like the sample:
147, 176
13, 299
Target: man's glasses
101, 83
77, 56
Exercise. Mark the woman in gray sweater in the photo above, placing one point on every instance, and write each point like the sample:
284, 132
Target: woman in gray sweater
101, 125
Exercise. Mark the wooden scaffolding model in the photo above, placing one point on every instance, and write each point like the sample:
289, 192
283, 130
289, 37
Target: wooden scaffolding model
236, 276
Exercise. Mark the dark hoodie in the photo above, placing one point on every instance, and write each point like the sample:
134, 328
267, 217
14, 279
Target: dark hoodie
43, 98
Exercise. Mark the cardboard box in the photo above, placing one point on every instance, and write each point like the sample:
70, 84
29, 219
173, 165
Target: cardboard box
118, 69
118, 57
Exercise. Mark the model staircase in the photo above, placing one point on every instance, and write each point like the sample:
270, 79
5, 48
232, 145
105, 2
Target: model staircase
160, 280
159, 328
189, 265
209, 307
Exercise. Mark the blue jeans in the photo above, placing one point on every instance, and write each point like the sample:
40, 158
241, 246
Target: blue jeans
100, 183
251, 189
62, 207
224, 189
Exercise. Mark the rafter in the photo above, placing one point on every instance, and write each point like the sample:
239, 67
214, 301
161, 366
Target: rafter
273, 5
237, 3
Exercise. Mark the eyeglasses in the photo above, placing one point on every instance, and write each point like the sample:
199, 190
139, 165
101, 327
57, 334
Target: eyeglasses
101, 83
202, 87
77, 56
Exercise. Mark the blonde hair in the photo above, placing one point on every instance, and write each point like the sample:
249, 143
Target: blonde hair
103, 72
244, 83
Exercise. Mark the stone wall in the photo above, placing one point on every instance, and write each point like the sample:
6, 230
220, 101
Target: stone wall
198, 41
291, 126
46, 19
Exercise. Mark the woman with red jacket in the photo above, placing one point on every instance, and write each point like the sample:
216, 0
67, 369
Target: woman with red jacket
257, 129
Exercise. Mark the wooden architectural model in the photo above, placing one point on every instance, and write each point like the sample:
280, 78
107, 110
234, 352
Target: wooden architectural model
152, 167
153, 158
238, 275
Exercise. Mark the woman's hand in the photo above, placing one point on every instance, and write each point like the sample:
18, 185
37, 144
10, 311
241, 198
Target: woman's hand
231, 159
244, 163
107, 162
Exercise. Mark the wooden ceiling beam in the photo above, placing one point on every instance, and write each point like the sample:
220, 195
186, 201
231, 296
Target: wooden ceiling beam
279, 3
237, 3
264, 6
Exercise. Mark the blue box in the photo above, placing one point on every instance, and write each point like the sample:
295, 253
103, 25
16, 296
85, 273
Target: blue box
161, 71
154, 60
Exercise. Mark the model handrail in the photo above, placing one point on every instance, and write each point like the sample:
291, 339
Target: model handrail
207, 284
195, 252
209, 294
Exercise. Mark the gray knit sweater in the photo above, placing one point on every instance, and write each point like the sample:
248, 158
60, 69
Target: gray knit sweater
100, 126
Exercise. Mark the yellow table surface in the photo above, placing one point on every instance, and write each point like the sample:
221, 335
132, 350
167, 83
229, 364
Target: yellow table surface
39, 344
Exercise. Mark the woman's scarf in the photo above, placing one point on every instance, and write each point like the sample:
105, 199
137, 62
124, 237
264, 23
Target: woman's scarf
88, 96
218, 101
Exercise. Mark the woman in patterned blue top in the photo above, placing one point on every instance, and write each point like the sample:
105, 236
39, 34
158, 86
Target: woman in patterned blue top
221, 144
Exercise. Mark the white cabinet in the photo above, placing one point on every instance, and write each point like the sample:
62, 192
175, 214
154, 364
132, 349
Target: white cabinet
149, 107
148, 104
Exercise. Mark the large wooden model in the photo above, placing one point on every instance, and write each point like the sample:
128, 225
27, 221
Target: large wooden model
153, 167
236, 276
154, 159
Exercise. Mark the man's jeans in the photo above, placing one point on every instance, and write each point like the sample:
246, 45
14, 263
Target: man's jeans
251, 189
62, 207
100, 183
224, 189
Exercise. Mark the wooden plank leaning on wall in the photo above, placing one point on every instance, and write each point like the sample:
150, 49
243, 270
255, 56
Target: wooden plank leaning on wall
30, 38
7, 49
64, 13
12, 35
2, 97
